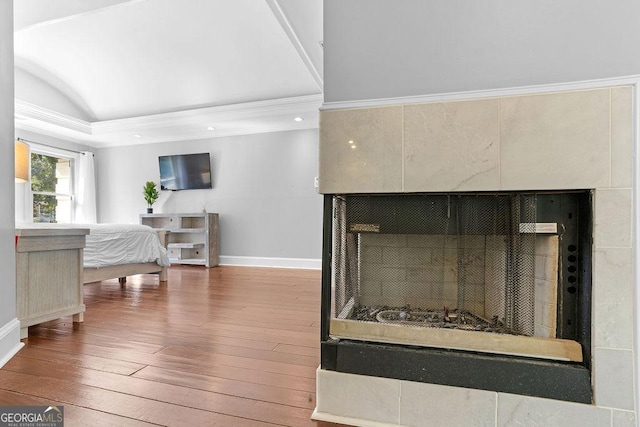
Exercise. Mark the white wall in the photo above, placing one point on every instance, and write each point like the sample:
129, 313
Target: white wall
383, 49
263, 189
9, 325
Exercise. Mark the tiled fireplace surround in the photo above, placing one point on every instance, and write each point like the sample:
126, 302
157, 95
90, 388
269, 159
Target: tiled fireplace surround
553, 141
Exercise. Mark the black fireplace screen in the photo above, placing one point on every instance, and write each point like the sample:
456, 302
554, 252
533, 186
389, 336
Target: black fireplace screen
479, 262
514, 263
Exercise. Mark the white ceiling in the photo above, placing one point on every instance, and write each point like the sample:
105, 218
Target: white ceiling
99, 72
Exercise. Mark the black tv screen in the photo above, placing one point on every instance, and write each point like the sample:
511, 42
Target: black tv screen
185, 171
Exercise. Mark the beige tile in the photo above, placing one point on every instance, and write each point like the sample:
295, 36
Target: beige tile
622, 137
514, 410
613, 218
555, 141
361, 150
612, 298
436, 405
331, 392
358, 396
613, 378
623, 419
451, 146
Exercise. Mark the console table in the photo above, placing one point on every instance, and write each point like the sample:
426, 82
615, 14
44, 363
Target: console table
192, 237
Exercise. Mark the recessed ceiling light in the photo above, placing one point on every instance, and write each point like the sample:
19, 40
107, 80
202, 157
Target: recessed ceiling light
137, 135
298, 119
211, 128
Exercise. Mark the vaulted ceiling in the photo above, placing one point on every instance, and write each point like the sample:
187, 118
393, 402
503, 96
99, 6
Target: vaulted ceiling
114, 72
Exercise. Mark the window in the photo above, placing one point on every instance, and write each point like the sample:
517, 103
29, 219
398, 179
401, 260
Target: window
51, 187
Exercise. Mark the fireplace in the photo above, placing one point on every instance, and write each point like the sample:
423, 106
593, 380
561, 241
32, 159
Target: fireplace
472, 284
573, 151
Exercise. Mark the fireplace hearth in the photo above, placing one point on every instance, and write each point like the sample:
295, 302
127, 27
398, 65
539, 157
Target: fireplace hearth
437, 280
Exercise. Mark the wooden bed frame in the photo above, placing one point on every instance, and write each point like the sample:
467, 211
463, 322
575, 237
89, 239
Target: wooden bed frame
122, 271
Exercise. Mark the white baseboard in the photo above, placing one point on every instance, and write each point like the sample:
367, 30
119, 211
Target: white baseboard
9, 341
303, 263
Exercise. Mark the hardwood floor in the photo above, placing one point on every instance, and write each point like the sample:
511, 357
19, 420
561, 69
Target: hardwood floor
228, 346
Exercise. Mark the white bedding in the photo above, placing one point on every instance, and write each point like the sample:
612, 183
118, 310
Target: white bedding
116, 244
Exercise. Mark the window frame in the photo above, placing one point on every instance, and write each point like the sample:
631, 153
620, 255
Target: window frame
60, 154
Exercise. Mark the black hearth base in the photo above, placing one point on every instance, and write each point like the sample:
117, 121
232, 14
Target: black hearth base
508, 374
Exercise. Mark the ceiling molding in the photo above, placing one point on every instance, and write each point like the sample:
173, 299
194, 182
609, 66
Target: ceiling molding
230, 120
209, 135
42, 128
483, 93
35, 112
224, 113
295, 41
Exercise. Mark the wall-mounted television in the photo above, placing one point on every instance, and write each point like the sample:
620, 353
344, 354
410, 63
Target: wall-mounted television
185, 171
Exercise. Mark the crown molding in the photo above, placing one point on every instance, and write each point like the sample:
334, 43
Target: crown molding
53, 132
50, 117
209, 135
486, 93
230, 120
232, 112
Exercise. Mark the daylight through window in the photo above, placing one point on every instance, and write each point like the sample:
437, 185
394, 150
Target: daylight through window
51, 188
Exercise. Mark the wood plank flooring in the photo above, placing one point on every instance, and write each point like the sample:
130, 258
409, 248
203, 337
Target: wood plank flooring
227, 346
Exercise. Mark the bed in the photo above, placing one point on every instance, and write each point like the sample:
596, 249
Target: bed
121, 250
54, 261
117, 250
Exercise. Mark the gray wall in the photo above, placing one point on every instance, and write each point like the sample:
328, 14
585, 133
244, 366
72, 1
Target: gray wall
384, 49
9, 328
263, 189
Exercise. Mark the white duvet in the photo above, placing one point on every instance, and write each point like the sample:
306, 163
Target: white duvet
115, 244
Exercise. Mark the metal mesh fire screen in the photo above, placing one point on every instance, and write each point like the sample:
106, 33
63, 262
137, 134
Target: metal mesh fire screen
460, 261
486, 290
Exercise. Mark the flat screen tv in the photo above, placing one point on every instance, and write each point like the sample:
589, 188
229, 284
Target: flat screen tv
185, 171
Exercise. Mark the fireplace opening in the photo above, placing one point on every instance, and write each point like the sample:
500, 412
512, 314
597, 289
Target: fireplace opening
502, 276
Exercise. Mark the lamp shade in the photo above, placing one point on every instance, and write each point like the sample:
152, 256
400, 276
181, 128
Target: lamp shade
22, 161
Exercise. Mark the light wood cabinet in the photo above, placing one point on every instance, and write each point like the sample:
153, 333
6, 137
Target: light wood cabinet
192, 238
